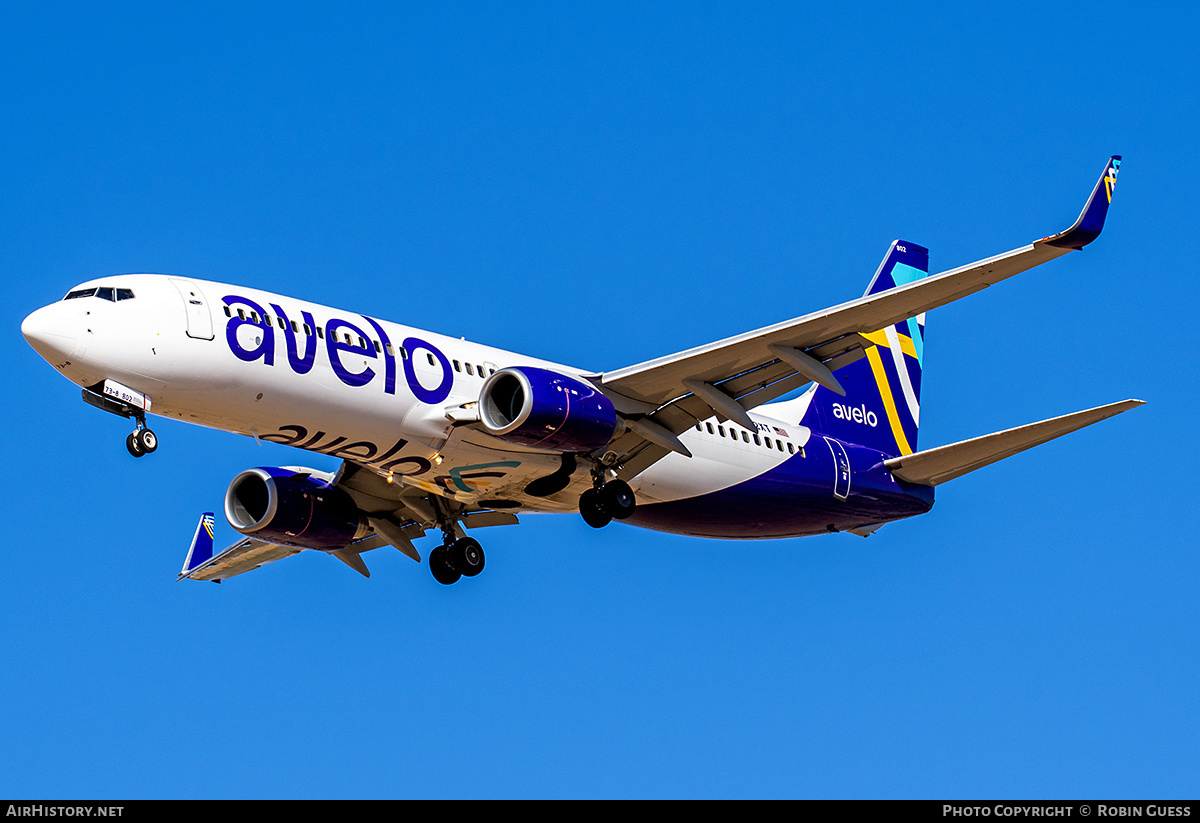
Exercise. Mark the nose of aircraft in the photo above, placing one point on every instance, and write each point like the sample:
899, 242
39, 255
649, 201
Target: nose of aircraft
49, 336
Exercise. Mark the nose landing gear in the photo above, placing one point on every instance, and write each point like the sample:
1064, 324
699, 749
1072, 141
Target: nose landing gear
123, 401
141, 441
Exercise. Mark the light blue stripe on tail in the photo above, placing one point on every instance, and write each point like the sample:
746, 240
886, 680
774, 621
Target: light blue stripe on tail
882, 406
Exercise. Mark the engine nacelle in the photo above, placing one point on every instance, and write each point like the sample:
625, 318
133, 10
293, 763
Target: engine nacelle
546, 410
293, 506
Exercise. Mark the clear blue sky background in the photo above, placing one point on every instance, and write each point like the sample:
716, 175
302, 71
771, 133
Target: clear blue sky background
601, 185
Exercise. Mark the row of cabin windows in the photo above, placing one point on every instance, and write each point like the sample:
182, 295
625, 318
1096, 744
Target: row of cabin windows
474, 371
320, 332
310, 330
748, 437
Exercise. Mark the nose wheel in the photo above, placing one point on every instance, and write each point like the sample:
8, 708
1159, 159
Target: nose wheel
142, 441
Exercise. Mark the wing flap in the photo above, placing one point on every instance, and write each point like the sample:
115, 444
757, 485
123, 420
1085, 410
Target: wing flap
935, 466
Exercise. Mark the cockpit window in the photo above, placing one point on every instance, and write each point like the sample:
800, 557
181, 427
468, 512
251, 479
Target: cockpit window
103, 292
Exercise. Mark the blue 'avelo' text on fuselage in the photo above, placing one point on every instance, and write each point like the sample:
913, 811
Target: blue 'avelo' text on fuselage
339, 337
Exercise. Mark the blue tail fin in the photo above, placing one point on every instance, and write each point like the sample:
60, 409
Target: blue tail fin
882, 406
202, 544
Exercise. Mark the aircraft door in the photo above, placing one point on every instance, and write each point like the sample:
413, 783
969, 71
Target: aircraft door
841, 468
199, 320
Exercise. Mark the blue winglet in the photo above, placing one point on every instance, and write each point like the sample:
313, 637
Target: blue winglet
201, 550
1091, 220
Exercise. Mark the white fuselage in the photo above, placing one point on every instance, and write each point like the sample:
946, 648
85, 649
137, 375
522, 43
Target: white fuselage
350, 386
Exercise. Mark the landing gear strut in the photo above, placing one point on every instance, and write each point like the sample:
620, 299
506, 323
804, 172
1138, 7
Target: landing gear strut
606, 501
117, 399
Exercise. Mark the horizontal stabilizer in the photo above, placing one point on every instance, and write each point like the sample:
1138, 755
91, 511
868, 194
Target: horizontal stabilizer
935, 466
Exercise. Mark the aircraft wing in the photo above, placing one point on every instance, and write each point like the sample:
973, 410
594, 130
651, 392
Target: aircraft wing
739, 373
397, 515
243, 556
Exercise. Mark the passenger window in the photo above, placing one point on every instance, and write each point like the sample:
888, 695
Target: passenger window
757, 442
470, 370
432, 362
745, 437
283, 325
295, 327
242, 314
320, 333
779, 443
456, 366
791, 449
378, 348
307, 330
228, 313
710, 428
721, 429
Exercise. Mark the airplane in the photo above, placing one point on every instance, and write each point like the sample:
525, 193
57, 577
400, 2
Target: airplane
446, 435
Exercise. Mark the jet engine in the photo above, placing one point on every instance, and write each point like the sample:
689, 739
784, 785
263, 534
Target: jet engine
293, 506
546, 410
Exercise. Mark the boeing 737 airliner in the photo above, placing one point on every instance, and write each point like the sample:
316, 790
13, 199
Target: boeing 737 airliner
445, 434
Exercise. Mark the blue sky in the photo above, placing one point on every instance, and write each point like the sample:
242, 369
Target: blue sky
600, 186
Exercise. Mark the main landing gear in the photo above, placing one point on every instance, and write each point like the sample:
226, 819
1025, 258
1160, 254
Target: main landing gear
460, 558
606, 501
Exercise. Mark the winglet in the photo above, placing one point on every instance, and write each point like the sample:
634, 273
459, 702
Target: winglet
201, 549
1091, 220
